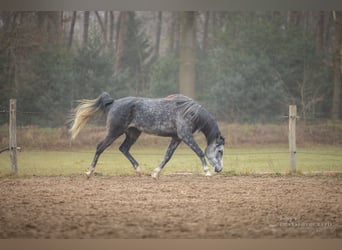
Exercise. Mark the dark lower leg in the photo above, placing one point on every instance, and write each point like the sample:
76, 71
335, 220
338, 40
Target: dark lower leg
171, 149
189, 140
99, 150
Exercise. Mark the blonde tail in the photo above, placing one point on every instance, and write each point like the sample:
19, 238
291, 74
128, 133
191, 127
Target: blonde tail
82, 113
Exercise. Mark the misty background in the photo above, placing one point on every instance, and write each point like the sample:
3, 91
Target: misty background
242, 66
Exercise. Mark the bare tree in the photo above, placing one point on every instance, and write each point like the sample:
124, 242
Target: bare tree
336, 102
72, 28
293, 18
158, 33
187, 53
173, 31
50, 23
111, 27
86, 27
205, 31
320, 31
103, 25
120, 36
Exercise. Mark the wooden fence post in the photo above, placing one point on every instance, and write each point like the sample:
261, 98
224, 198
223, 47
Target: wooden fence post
13, 136
292, 137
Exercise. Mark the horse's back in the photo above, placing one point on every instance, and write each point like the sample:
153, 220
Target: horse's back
158, 116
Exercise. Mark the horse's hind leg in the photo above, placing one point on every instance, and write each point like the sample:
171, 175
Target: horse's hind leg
111, 136
171, 149
132, 135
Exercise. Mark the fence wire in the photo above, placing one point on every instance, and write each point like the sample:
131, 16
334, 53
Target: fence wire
190, 153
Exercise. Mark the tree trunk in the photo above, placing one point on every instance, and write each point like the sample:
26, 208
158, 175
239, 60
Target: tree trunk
120, 36
172, 31
328, 32
55, 27
336, 102
187, 54
103, 25
50, 26
158, 33
205, 31
72, 28
293, 18
86, 27
320, 31
111, 27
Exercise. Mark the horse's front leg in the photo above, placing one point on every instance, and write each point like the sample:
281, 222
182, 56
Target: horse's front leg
189, 140
170, 150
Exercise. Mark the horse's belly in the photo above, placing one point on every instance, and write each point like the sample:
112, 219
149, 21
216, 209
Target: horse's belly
155, 129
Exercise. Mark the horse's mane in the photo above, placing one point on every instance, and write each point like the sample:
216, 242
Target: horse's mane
187, 107
201, 118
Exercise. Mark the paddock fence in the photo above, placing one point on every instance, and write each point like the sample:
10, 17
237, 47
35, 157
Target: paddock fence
261, 147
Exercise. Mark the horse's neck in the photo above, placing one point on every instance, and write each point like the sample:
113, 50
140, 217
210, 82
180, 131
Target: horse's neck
210, 130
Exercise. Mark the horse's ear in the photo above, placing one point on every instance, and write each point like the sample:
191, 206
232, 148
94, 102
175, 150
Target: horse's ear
220, 140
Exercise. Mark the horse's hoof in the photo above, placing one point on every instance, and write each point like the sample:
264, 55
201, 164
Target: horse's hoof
155, 173
138, 171
208, 173
89, 174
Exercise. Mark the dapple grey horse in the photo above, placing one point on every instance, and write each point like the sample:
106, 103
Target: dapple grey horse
175, 116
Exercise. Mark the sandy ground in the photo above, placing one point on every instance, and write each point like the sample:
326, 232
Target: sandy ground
171, 207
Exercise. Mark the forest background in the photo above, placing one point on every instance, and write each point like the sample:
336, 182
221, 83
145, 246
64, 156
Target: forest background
242, 66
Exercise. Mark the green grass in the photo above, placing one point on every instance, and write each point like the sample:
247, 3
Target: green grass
276, 159
273, 159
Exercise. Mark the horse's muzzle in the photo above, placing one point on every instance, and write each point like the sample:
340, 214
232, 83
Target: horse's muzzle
218, 169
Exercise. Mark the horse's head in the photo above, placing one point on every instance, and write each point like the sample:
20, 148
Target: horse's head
214, 153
